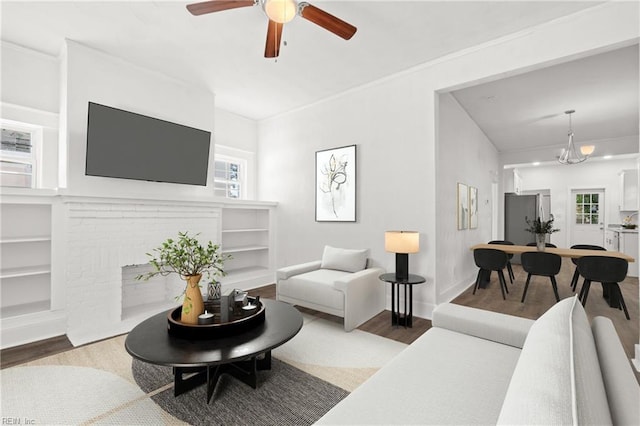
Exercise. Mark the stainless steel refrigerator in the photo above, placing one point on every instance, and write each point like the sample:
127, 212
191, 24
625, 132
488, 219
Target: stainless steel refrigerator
516, 209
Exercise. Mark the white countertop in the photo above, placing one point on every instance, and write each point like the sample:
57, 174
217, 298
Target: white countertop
622, 230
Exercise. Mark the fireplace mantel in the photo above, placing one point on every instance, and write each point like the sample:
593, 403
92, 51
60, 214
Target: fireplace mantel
93, 237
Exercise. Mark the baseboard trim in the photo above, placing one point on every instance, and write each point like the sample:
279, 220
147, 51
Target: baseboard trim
31, 328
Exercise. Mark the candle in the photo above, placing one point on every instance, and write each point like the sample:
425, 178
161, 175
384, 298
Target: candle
205, 318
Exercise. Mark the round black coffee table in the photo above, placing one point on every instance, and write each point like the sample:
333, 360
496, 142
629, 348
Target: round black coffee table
241, 355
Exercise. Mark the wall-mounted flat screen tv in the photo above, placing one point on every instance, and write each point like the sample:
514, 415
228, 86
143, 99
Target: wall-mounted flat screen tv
122, 144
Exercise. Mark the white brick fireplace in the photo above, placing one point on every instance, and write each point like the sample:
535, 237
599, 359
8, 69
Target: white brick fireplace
100, 237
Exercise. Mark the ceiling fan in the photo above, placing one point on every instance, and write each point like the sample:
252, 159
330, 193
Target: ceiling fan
279, 13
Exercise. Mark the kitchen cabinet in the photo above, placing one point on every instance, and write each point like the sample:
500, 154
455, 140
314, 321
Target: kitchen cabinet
629, 245
629, 190
512, 182
611, 240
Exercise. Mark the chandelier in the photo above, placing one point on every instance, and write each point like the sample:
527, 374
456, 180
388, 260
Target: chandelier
569, 154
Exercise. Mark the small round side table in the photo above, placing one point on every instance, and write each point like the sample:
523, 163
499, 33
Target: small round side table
405, 319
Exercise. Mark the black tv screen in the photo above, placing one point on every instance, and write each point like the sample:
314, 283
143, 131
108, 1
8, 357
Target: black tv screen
122, 144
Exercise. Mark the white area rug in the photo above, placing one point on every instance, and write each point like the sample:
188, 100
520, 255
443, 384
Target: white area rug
322, 348
325, 343
73, 395
93, 384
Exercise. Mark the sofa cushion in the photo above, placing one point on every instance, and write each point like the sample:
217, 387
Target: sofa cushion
623, 392
494, 326
442, 378
557, 379
344, 259
316, 285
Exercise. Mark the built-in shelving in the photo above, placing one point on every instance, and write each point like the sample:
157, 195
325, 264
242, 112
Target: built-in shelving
25, 240
234, 231
25, 267
27, 271
25, 309
247, 235
239, 249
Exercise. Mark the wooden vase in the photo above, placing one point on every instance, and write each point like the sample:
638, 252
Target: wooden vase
193, 305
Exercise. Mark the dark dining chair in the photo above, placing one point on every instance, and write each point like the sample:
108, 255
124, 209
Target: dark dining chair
545, 244
509, 257
542, 264
609, 271
576, 274
491, 260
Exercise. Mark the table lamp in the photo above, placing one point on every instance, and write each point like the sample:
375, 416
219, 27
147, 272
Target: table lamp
402, 243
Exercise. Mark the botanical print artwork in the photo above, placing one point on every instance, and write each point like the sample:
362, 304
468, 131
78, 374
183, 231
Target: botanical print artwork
336, 184
463, 206
473, 207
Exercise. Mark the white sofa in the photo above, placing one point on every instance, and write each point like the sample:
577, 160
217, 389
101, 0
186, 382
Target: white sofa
340, 284
480, 367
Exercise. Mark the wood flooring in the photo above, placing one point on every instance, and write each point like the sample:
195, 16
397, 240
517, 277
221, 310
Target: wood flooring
539, 299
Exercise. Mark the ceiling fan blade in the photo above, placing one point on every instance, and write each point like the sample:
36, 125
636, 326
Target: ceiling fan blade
326, 20
274, 36
217, 6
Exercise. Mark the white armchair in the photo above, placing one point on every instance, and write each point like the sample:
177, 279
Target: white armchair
340, 284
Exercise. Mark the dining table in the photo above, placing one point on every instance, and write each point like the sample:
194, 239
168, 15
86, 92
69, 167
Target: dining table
562, 252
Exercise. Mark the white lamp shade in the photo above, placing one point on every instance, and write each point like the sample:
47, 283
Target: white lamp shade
402, 241
587, 149
281, 11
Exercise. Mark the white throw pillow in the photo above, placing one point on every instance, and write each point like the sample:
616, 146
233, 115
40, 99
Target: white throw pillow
344, 259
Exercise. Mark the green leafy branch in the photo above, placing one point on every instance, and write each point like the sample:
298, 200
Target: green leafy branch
538, 226
186, 257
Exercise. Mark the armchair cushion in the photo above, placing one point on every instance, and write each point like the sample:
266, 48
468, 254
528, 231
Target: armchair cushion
346, 260
317, 286
290, 271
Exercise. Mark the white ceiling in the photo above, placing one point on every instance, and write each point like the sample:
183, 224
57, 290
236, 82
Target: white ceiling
528, 110
224, 51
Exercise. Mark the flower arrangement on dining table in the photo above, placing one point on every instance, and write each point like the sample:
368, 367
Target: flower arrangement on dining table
539, 226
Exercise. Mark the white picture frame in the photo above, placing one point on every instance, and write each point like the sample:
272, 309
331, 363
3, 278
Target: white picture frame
463, 206
336, 184
473, 207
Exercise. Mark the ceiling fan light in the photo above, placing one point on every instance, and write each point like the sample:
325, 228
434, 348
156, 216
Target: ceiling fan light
587, 150
280, 11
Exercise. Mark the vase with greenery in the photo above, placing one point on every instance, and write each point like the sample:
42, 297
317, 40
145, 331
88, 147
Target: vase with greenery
189, 259
540, 228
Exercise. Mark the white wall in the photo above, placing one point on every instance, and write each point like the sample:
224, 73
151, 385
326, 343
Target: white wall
29, 78
235, 131
95, 76
560, 180
385, 126
30, 94
393, 122
237, 136
465, 155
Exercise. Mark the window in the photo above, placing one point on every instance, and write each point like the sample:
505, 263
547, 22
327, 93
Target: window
229, 177
18, 154
587, 209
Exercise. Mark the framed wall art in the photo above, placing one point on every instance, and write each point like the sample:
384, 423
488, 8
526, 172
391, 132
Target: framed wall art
463, 206
473, 207
336, 184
